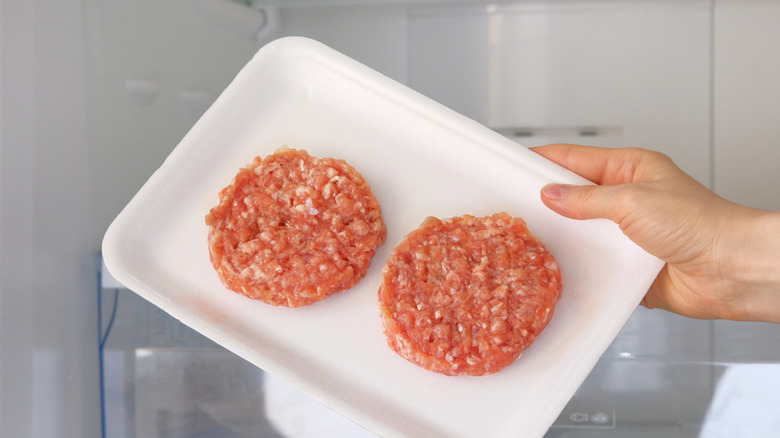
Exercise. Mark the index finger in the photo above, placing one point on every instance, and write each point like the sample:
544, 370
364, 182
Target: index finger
597, 164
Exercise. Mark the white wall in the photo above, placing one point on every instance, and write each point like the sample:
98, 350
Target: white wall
633, 73
153, 67
48, 330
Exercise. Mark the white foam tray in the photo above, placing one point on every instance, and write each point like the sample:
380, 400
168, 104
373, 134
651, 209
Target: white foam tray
421, 159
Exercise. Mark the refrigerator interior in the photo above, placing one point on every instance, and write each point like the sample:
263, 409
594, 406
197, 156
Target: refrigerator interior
673, 76
536, 72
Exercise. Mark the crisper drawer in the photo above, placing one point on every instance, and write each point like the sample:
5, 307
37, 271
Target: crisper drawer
664, 375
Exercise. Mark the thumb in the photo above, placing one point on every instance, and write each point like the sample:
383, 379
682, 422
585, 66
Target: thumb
582, 202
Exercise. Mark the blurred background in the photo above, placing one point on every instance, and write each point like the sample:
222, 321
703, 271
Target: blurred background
94, 94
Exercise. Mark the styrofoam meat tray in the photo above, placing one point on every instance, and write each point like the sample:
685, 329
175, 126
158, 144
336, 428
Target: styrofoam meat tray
421, 159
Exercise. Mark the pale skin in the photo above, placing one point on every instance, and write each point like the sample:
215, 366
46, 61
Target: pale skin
722, 258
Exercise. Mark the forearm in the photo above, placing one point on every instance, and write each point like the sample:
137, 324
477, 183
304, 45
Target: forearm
756, 266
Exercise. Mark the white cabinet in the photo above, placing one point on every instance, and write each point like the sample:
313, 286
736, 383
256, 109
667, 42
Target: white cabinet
747, 101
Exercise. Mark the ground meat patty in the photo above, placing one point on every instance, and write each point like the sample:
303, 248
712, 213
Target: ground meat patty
466, 296
291, 229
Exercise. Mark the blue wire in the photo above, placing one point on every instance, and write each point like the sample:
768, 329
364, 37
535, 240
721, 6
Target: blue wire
102, 338
100, 355
111, 319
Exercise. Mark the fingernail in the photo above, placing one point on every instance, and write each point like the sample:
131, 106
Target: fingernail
555, 191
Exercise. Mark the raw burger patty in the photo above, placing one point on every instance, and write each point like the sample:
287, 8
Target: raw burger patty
466, 296
291, 229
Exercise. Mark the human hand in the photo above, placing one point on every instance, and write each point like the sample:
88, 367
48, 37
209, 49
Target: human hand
722, 259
